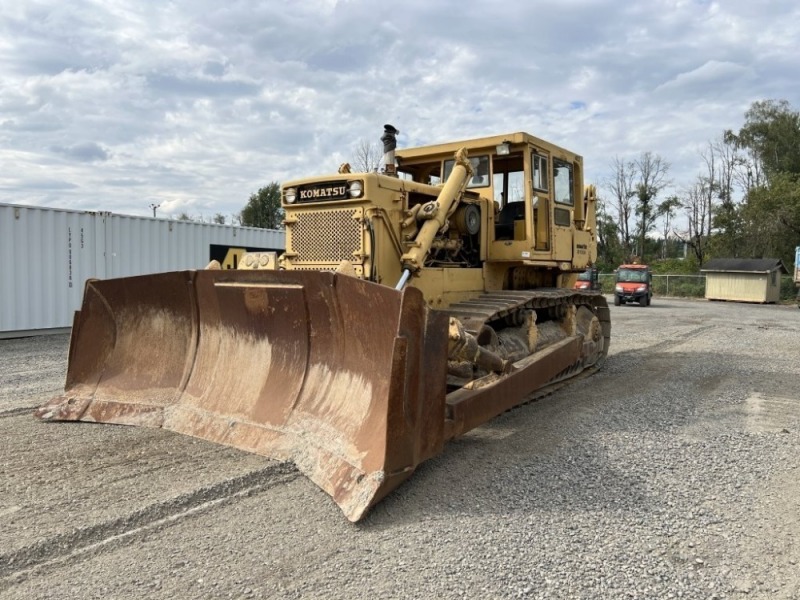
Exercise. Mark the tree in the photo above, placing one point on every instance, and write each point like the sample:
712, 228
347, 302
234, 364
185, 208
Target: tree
367, 157
609, 250
710, 158
772, 218
731, 163
652, 173
768, 222
219, 219
729, 237
622, 192
667, 211
772, 131
728, 168
263, 209
695, 204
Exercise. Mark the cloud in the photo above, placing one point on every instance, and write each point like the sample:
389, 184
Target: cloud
214, 69
84, 152
199, 104
124, 182
171, 85
711, 77
46, 184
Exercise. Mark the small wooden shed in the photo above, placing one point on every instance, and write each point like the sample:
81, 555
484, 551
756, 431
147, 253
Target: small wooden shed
744, 279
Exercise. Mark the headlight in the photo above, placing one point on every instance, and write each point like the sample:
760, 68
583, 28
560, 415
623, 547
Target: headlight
355, 189
641, 288
290, 195
618, 288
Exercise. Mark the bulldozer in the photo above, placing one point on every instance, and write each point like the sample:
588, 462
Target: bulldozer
411, 305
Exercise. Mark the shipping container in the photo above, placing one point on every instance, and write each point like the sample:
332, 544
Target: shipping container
48, 254
797, 273
797, 265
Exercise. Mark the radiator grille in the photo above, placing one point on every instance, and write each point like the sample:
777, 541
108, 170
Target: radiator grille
328, 236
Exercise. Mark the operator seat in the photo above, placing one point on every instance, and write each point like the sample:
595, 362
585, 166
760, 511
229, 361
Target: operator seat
504, 225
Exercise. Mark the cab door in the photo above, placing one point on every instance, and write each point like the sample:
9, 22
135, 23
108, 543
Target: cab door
513, 234
564, 196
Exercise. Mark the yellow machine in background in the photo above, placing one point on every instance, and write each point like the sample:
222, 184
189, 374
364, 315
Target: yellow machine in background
409, 307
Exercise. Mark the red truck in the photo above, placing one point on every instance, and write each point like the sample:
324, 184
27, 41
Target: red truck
634, 283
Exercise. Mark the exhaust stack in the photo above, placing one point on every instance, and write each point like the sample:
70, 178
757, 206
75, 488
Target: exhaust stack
389, 139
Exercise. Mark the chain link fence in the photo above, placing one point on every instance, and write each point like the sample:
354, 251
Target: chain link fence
688, 286
681, 286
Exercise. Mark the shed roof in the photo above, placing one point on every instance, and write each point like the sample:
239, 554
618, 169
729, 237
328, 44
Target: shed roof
744, 265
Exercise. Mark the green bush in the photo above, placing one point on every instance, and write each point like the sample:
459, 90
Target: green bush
688, 289
674, 266
659, 286
606, 282
788, 289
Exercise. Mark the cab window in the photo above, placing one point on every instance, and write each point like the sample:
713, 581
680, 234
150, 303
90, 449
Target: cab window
423, 173
563, 182
539, 172
480, 171
508, 179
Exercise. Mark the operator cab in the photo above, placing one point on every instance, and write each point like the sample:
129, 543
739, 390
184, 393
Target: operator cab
533, 192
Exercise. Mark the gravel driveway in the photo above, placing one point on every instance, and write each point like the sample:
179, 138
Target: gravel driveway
673, 473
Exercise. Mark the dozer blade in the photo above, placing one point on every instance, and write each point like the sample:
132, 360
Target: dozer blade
343, 377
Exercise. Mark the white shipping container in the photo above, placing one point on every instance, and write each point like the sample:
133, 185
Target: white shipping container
47, 255
797, 265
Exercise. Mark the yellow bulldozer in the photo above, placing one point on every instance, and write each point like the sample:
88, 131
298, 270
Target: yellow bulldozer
410, 306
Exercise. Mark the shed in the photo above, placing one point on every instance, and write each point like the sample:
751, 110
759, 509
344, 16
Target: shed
744, 279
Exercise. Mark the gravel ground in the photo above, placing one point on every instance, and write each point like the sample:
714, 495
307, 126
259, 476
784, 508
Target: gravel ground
673, 473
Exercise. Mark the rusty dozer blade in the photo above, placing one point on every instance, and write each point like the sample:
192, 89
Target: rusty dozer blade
343, 377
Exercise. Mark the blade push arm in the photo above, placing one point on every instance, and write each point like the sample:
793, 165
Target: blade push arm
435, 215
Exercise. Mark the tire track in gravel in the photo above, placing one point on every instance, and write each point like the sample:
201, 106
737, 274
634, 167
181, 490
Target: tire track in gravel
82, 543
763, 413
673, 342
7, 413
576, 411
15, 412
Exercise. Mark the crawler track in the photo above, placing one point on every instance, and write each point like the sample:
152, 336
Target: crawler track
536, 375
495, 305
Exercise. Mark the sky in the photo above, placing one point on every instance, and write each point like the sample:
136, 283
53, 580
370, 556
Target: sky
191, 106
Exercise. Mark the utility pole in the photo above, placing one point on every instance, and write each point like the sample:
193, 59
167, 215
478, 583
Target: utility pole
154, 207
